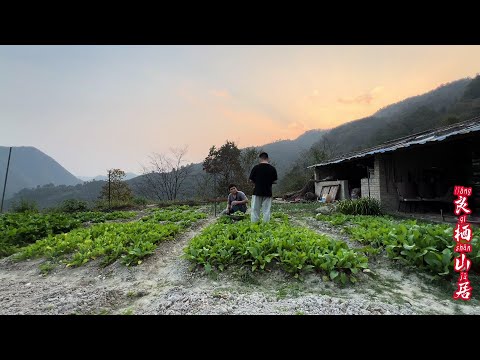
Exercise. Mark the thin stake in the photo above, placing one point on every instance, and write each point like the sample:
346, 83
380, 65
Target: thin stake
6, 176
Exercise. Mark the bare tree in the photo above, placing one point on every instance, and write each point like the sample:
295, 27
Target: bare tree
165, 175
203, 185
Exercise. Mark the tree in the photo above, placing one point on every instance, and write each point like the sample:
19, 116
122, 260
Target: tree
224, 164
115, 189
472, 91
450, 120
229, 165
165, 176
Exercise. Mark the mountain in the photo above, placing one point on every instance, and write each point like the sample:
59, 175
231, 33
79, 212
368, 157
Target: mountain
50, 195
438, 100
283, 152
412, 115
89, 178
449, 103
29, 168
128, 176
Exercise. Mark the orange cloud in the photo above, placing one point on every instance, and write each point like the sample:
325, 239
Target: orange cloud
251, 126
260, 128
364, 98
297, 125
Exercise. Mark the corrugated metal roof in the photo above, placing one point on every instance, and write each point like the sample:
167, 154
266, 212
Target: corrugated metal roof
421, 138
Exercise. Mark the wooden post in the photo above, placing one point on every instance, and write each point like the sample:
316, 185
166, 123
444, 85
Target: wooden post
109, 196
368, 180
215, 192
6, 176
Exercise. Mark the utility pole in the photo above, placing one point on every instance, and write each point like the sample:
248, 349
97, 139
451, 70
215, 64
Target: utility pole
6, 176
215, 192
109, 193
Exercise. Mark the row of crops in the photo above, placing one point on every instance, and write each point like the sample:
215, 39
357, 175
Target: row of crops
65, 238
426, 246
298, 250
20, 229
75, 239
261, 246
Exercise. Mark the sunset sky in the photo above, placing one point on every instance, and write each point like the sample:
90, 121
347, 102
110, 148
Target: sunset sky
92, 108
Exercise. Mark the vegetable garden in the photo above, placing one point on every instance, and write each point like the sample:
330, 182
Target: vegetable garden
60, 237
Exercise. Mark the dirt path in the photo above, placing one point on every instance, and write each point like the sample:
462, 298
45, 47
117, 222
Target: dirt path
164, 284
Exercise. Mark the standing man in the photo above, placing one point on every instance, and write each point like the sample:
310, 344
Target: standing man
263, 175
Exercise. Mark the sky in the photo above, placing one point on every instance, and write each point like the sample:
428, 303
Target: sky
93, 108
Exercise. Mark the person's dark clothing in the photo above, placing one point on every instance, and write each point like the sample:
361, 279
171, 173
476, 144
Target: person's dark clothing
235, 208
263, 175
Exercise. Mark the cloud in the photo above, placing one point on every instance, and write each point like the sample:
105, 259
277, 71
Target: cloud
297, 125
314, 97
252, 122
259, 127
364, 98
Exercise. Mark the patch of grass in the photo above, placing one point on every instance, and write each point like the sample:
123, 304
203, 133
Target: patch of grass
389, 284
457, 310
127, 312
299, 312
362, 206
334, 219
7, 249
444, 289
378, 289
94, 312
282, 293
300, 209
289, 290
46, 267
247, 277
218, 294
399, 298
104, 312
213, 275
417, 296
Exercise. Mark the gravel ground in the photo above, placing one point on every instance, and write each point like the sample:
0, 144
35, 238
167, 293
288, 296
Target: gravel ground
182, 301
